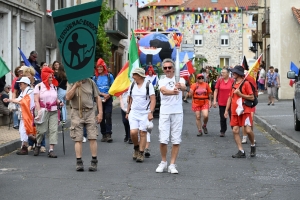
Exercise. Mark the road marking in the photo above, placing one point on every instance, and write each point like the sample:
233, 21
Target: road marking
278, 116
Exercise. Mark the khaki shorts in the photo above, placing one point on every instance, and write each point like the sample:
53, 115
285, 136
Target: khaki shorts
88, 120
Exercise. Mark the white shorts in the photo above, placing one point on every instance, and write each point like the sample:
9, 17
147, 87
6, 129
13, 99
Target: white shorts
170, 123
138, 121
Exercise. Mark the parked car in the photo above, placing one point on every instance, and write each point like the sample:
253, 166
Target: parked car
296, 99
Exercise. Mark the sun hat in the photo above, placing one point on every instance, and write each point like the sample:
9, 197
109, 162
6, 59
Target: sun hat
238, 70
139, 71
24, 80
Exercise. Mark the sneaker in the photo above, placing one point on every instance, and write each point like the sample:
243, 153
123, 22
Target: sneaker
63, 122
23, 151
130, 141
16, 127
30, 148
222, 134
172, 169
239, 155
84, 139
199, 133
79, 166
43, 149
93, 166
147, 153
253, 151
51, 154
204, 129
36, 151
161, 167
244, 140
185, 101
109, 139
140, 157
125, 139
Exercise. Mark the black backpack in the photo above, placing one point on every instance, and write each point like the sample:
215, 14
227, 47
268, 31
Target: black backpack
247, 102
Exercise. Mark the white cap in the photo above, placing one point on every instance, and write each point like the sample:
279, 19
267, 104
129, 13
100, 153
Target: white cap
24, 80
149, 126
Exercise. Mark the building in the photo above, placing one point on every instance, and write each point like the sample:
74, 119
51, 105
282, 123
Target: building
28, 25
219, 30
151, 16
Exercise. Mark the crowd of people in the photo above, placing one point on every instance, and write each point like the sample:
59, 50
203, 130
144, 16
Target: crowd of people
36, 105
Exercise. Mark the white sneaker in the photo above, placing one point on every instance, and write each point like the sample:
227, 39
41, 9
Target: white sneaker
172, 169
84, 139
161, 167
244, 140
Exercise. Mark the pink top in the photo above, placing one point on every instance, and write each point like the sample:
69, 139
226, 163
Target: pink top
223, 90
47, 97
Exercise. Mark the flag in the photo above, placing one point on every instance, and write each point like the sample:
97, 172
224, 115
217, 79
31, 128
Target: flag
190, 67
154, 82
252, 72
3, 68
28, 64
121, 83
184, 72
245, 64
27, 116
134, 61
294, 68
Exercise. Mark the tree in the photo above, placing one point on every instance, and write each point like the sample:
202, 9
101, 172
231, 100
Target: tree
103, 45
198, 63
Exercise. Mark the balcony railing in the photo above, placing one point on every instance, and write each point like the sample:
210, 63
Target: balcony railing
256, 36
119, 26
266, 28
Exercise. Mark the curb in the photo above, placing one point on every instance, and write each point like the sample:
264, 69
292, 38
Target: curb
10, 147
278, 135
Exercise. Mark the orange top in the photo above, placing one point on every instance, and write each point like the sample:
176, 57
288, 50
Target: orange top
200, 91
246, 90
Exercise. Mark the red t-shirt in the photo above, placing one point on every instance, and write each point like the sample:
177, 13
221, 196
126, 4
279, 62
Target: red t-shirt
201, 91
223, 90
246, 90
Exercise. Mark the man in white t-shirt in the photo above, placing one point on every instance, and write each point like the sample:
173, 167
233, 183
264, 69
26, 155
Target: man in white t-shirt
140, 111
170, 116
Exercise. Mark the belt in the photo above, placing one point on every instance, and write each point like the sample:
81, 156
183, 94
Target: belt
84, 109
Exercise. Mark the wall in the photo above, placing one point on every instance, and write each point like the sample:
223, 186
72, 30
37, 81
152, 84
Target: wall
248, 26
285, 41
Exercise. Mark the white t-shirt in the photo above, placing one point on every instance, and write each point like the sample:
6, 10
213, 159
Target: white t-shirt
151, 79
28, 91
139, 102
170, 104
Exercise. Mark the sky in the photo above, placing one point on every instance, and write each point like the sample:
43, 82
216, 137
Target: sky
141, 4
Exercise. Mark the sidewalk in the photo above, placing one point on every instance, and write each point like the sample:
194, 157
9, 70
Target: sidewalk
277, 120
10, 138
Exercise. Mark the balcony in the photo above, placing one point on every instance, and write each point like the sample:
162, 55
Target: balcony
266, 28
117, 28
257, 36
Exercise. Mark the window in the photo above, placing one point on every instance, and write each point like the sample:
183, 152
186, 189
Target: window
198, 40
224, 40
224, 18
197, 18
214, 1
250, 44
224, 62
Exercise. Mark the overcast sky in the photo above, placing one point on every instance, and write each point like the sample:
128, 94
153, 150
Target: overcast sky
145, 2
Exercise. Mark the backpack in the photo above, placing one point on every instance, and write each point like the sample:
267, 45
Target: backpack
247, 102
147, 92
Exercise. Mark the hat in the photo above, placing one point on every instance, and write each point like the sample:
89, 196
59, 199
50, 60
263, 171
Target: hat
238, 70
198, 75
24, 80
139, 71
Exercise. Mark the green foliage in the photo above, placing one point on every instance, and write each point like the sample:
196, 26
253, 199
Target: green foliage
198, 63
103, 45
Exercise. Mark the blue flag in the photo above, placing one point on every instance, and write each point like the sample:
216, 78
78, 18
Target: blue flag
294, 68
154, 81
27, 63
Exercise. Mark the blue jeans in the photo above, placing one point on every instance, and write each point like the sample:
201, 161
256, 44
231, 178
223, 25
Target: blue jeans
15, 119
106, 123
61, 93
31, 143
84, 132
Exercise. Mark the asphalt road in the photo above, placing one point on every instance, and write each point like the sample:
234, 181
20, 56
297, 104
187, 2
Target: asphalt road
206, 169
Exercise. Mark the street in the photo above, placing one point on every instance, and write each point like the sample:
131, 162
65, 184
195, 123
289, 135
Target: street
206, 169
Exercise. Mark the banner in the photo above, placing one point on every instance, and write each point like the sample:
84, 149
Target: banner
76, 31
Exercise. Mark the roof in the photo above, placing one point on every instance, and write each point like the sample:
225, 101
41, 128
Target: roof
245, 3
296, 13
164, 3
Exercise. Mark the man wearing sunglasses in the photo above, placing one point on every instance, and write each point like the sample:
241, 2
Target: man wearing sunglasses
170, 116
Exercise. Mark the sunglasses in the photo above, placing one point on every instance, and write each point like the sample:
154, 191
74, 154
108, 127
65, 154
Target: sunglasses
200, 78
169, 67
